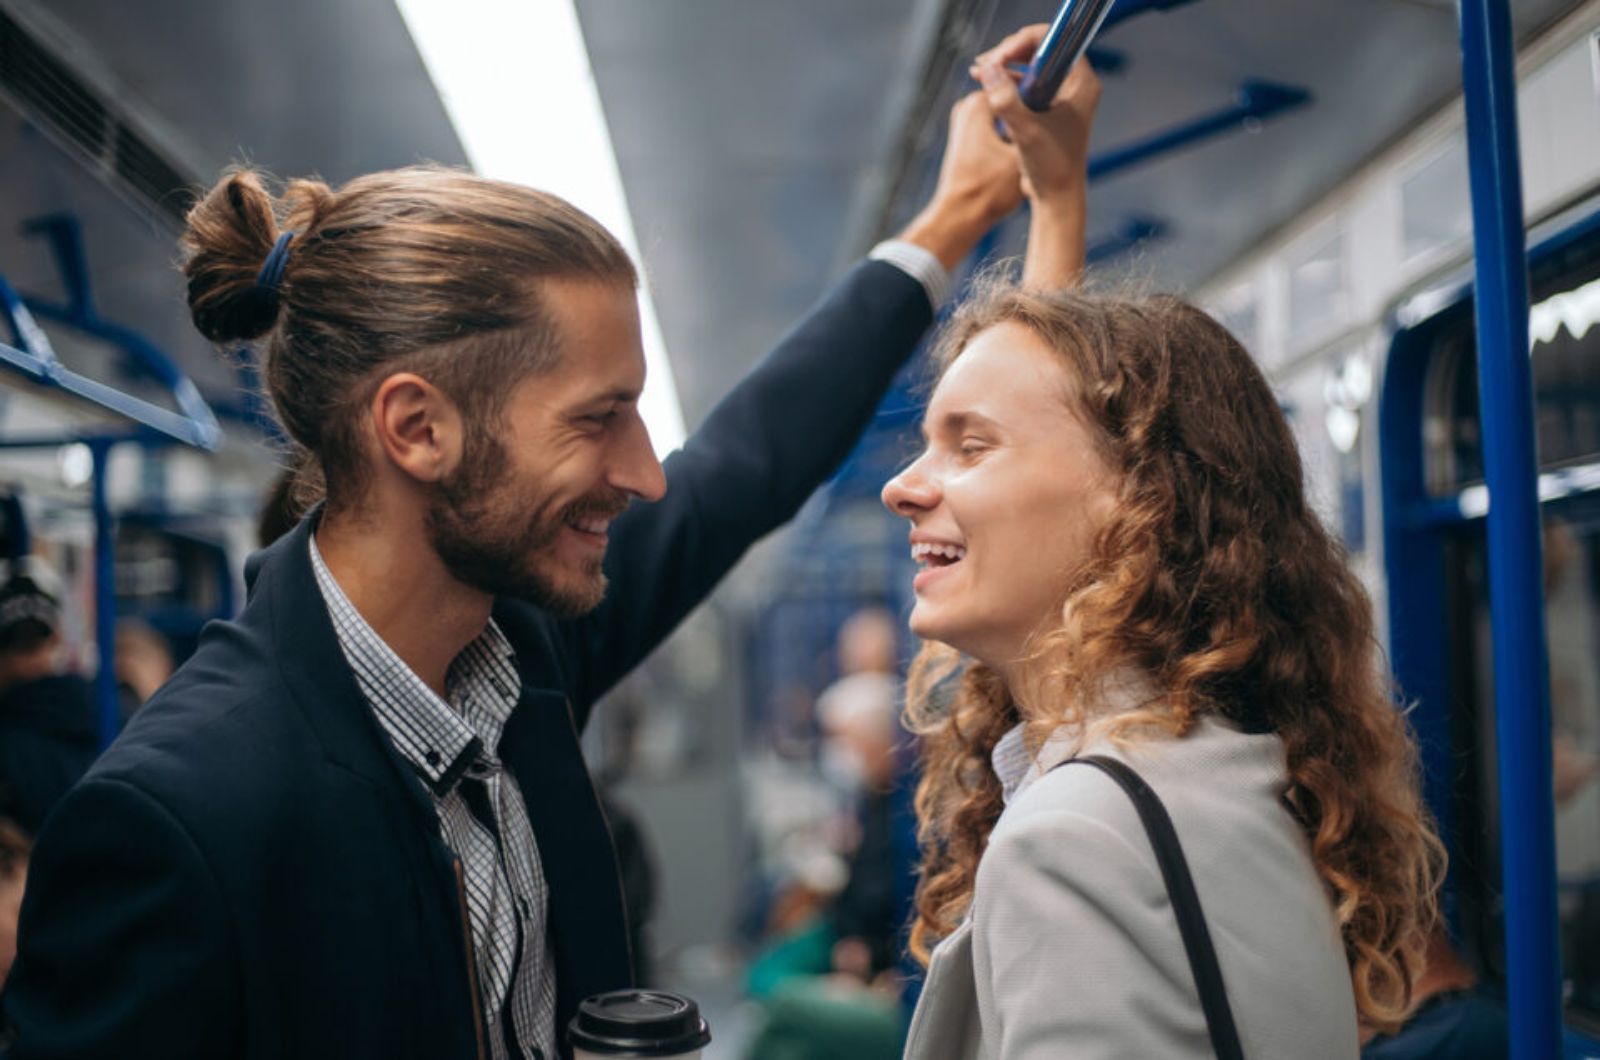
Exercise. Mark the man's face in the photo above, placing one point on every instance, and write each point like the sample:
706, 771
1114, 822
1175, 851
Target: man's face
527, 511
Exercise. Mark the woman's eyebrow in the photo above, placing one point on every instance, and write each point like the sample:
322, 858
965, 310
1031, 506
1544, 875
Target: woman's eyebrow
957, 422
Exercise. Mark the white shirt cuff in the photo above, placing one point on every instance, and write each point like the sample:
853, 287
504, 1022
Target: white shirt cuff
918, 263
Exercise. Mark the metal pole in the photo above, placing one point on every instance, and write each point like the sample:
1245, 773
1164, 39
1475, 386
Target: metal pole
1516, 576
107, 709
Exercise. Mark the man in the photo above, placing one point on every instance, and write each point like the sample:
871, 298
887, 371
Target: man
357, 822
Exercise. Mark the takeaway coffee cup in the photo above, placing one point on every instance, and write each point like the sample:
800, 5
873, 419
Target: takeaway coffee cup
638, 1023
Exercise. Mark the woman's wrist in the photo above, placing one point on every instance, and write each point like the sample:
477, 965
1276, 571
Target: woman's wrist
1067, 200
1056, 240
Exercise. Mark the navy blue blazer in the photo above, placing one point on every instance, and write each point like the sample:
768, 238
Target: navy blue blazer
252, 870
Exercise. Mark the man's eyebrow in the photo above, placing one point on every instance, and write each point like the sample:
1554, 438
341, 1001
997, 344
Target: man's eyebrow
620, 396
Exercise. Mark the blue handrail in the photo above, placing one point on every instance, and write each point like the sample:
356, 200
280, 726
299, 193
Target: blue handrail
65, 236
1255, 101
35, 360
1516, 595
1131, 233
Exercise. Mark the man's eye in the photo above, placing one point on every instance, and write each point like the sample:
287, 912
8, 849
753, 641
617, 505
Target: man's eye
972, 447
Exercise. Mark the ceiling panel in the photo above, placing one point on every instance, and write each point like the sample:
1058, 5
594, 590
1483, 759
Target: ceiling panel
748, 135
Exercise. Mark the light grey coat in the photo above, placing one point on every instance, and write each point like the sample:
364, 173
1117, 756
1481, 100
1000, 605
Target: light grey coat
1072, 949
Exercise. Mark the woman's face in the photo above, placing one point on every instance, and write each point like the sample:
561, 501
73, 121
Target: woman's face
1004, 502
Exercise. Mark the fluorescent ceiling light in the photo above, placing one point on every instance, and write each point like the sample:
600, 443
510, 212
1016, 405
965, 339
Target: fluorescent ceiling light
515, 79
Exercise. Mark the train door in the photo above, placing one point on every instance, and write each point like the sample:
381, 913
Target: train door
1435, 504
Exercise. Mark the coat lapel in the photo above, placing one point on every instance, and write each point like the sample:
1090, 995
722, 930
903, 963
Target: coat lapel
286, 609
588, 923
945, 1024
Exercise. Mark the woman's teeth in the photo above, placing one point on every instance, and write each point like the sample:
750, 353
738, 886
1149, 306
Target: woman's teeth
937, 555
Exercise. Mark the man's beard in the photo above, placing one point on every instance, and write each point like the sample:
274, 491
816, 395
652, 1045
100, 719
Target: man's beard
487, 539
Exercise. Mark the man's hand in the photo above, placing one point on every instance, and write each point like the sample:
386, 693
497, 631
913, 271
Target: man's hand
979, 185
1053, 154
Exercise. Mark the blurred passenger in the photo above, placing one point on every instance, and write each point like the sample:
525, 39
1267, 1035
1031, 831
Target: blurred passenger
48, 734
1452, 1020
14, 848
1117, 549
286, 501
838, 908
144, 663
869, 643
860, 715
319, 838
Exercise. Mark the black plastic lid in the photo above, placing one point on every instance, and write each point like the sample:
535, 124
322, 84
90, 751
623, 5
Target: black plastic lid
638, 1023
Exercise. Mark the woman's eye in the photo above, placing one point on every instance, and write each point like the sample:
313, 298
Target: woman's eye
972, 447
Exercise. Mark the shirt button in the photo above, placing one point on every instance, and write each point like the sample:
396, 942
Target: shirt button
433, 758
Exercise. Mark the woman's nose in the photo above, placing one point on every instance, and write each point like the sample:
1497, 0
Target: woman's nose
910, 491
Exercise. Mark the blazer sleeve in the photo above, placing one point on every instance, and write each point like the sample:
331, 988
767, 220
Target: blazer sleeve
123, 944
760, 453
1062, 947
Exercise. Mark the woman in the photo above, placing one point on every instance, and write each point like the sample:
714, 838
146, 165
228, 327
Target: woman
1116, 545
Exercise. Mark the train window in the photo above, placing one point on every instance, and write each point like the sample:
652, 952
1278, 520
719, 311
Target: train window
1566, 371
1326, 406
1565, 357
1239, 310
1572, 603
1319, 297
1435, 202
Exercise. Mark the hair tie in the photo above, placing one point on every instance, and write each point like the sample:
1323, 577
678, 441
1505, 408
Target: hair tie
271, 273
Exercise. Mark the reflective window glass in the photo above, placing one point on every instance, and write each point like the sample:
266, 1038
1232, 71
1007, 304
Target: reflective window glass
1319, 299
1566, 374
1572, 609
1435, 203
1326, 404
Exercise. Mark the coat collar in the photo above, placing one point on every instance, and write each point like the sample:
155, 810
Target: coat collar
283, 603
540, 746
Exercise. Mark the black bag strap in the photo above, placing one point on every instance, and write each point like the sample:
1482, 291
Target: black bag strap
1185, 902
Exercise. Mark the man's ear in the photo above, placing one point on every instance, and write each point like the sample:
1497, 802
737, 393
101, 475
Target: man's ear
418, 428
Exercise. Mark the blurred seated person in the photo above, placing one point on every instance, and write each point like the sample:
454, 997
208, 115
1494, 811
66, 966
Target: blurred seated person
856, 929
1452, 1020
143, 661
860, 721
48, 736
14, 847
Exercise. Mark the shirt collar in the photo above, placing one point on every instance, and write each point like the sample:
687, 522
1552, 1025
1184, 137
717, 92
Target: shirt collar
438, 740
1018, 768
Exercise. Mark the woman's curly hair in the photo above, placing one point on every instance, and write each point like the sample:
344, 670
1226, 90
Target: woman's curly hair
1216, 579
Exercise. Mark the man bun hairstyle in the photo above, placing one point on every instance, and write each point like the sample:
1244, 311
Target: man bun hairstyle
425, 269
231, 232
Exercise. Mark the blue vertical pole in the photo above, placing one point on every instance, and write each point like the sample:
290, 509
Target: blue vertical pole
1516, 577
105, 599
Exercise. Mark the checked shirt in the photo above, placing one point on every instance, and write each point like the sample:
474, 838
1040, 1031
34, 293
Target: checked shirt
481, 813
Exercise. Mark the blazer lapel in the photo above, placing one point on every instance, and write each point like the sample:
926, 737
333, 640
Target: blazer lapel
945, 1024
588, 923
285, 601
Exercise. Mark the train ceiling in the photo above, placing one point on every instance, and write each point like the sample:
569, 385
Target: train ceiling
762, 145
